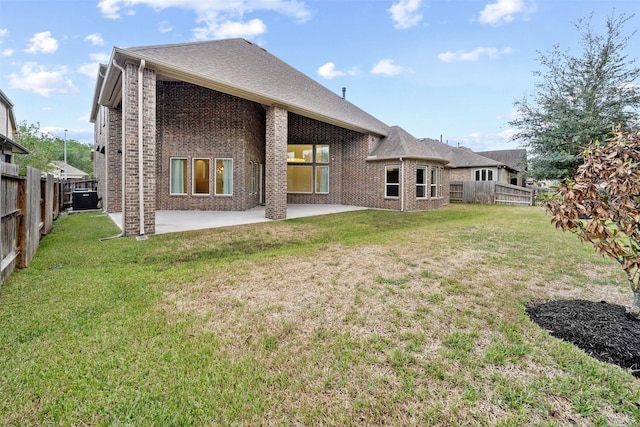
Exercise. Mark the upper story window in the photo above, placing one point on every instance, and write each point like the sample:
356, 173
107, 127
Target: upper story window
484, 175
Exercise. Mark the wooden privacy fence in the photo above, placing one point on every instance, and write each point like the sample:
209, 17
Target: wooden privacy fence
28, 206
490, 192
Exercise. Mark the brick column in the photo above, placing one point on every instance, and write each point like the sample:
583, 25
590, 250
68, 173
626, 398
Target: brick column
276, 164
131, 210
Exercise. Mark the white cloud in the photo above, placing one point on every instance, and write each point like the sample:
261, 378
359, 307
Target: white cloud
405, 13
328, 71
3, 33
95, 39
473, 55
36, 78
42, 42
165, 27
229, 29
7, 52
504, 11
220, 18
100, 57
386, 67
90, 69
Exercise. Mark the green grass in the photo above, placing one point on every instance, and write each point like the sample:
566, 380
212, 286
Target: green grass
361, 318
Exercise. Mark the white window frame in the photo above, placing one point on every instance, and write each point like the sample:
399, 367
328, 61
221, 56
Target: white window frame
424, 184
435, 188
387, 184
317, 168
185, 174
215, 179
193, 177
481, 174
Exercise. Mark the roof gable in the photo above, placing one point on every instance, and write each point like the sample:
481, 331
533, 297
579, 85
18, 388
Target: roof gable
401, 144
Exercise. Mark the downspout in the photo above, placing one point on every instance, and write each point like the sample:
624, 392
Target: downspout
401, 185
141, 145
123, 137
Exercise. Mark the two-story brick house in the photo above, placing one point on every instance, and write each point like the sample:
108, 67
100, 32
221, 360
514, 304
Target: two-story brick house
224, 125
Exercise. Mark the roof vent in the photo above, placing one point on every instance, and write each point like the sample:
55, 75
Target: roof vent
344, 93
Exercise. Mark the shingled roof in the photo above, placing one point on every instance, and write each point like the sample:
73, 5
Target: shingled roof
515, 159
462, 157
401, 144
241, 68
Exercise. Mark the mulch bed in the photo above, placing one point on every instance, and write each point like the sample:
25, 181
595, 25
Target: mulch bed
604, 331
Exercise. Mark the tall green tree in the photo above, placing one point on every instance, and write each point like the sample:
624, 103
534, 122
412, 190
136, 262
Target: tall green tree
45, 148
578, 99
41, 146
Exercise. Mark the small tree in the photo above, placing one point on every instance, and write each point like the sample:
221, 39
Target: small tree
601, 204
40, 145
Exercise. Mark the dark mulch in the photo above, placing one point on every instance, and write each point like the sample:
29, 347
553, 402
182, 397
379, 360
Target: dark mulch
604, 331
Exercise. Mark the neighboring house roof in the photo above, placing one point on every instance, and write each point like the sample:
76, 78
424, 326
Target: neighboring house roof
462, 157
243, 69
401, 144
72, 172
5, 139
516, 158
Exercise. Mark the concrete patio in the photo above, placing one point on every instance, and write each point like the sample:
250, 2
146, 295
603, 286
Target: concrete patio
175, 221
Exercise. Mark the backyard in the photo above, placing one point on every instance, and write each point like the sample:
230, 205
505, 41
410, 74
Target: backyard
359, 318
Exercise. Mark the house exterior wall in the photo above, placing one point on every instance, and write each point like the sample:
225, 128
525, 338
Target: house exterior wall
5, 123
303, 130
196, 122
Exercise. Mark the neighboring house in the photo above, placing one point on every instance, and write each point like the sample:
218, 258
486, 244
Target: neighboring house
515, 159
224, 125
467, 165
8, 147
59, 168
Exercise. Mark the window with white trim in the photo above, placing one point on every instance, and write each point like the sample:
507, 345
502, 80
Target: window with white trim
178, 175
307, 170
435, 182
201, 182
421, 182
484, 175
392, 181
224, 177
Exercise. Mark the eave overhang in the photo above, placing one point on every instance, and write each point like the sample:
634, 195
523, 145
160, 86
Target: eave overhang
110, 90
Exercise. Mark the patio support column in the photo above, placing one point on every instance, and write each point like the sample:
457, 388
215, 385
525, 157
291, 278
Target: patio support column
139, 172
276, 164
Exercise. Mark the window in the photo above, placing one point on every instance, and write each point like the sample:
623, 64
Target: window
224, 177
484, 175
299, 179
299, 153
392, 181
200, 172
421, 182
322, 179
322, 154
435, 181
304, 171
178, 176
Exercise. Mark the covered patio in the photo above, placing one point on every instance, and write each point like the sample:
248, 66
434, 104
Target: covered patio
176, 221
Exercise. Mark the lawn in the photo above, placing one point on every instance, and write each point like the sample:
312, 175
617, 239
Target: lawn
360, 318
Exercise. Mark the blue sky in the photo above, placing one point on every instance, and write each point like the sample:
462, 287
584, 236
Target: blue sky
434, 67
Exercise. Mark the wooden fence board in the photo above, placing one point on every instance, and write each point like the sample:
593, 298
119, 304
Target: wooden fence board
9, 215
490, 192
